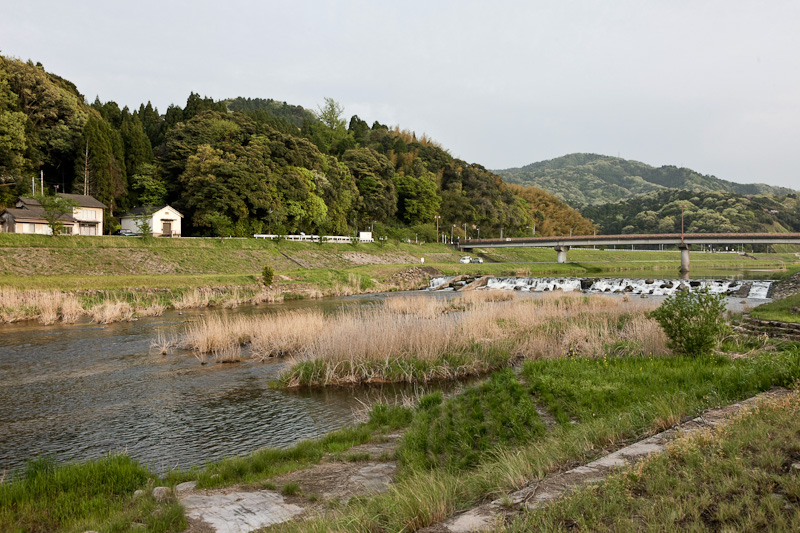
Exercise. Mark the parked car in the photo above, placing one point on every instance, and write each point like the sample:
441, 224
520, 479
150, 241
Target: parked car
476, 260
126, 233
466, 259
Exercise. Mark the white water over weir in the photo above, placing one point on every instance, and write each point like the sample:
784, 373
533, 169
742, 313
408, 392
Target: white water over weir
659, 287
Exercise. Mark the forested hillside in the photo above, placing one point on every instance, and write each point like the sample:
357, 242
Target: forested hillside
703, 212
243, 166
591, 179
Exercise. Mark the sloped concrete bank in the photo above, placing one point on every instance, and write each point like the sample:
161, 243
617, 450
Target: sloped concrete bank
538, 493
242, 509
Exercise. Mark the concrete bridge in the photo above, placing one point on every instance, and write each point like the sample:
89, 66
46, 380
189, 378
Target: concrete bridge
683, 241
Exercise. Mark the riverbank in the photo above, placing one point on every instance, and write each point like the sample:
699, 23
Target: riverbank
447, 453
120, 278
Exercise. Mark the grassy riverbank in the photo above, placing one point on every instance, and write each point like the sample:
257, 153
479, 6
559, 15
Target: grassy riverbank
714, 480
96, 495
784, 310
139, 277
488, 440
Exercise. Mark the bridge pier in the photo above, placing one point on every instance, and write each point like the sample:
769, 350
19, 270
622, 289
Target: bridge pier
684, 270
562, 253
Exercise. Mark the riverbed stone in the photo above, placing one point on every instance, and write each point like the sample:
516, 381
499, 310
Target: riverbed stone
162, 494
239, 512
138, 494
187, 486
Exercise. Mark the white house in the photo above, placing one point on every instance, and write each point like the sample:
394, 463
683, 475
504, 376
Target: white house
164, 221
28, 217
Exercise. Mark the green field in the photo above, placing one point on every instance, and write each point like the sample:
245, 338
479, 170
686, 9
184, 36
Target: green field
110, 263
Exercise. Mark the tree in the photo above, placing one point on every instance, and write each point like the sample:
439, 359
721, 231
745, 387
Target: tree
142, 223
330, 114
267, 275
54, 209
147, 187
693, 321
100, 165
138, 151
418, 201
373, 174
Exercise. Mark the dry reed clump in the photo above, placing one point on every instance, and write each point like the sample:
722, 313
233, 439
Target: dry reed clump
487, 296
46, 306
286, 334
421, 306
415, 338
267, 295
162, 344
109, 311
195, 298
71, 309
575, 325
153, 309
216, 334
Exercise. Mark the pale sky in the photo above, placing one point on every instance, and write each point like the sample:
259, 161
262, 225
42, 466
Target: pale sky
710, 85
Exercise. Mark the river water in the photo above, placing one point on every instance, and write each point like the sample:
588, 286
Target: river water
79, 391
82, 390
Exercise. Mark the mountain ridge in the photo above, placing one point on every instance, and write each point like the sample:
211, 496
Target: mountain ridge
583, 179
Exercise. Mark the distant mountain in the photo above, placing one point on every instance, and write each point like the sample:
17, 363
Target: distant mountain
592, 179
703, 212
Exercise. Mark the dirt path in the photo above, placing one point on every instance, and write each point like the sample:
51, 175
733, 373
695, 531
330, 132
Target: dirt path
364, 469
488, 516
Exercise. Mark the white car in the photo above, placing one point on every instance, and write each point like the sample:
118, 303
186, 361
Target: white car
465, 259
476, 260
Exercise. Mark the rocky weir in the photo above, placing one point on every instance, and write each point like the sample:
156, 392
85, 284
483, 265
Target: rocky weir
752, 289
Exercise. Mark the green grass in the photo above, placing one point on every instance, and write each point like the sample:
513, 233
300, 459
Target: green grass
456, 433
407, 368
126, 282
737, 479
780, 310
610, 402
95, 495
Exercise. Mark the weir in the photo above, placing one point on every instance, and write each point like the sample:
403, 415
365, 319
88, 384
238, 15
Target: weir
656, 287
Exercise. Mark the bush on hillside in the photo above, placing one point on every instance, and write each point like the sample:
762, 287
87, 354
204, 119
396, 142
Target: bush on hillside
693, 321
267, 275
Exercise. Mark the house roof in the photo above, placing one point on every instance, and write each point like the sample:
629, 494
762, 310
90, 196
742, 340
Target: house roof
81, 199
84, 201
148, 210
34, 214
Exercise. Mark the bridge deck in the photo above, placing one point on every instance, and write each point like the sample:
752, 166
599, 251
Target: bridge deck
621, 240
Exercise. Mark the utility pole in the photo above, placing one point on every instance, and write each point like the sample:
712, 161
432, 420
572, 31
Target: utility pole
437, 217
86, 170
465, 231
41, 181
682, 206
452, 227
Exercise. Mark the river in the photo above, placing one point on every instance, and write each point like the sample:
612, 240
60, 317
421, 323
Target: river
80, 391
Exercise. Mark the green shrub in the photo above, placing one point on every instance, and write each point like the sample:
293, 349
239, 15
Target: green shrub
267, 275
693, 321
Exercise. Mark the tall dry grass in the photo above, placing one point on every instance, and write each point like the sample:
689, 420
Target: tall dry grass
413, 338
112, 311
47, 307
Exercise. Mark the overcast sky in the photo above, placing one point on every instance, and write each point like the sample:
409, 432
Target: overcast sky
714, 86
